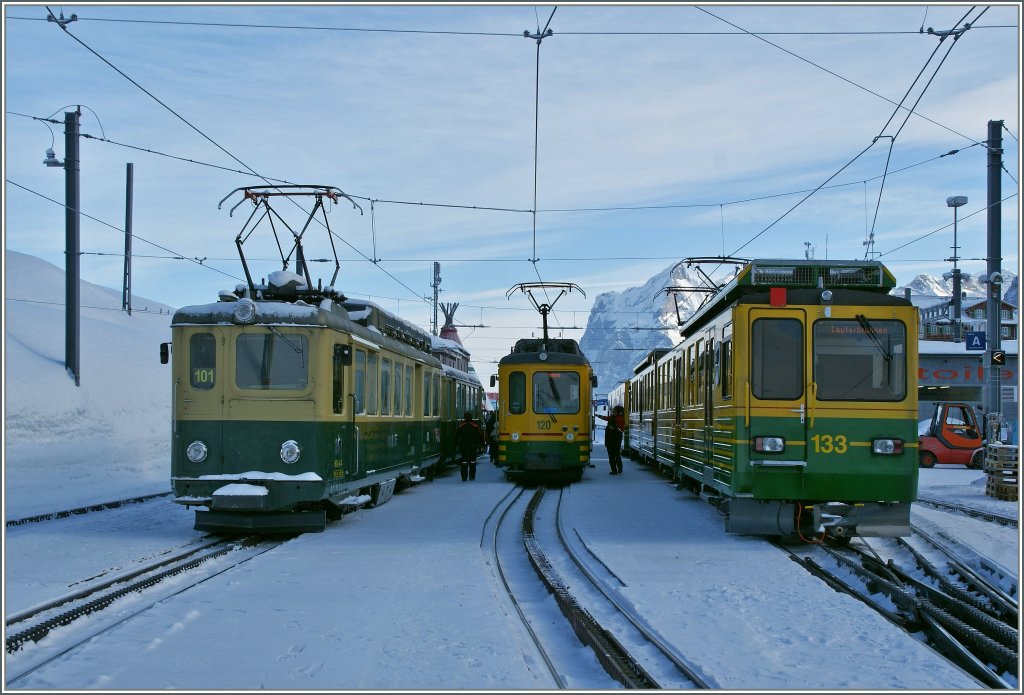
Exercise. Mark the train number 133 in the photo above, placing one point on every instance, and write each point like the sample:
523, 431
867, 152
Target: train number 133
829, 444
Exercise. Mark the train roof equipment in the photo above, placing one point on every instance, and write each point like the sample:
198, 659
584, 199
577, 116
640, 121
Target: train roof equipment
544, 308
262, 211
762, 275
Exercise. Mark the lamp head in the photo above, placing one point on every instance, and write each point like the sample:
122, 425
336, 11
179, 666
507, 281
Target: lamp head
51, 159
955, 201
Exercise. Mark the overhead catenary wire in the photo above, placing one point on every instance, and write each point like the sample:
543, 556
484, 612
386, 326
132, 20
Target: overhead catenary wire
441, 32
861, 153
534, 211
211, 140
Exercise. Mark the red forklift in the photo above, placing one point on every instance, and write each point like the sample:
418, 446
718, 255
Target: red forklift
953, 436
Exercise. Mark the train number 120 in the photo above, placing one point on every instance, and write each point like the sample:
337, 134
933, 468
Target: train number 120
827, 444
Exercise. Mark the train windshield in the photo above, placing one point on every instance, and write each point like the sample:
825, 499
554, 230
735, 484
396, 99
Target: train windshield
556, 392
860, 360
271, 360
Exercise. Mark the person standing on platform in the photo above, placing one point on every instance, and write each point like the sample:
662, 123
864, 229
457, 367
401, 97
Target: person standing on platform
613, 437
469, 440
491, 427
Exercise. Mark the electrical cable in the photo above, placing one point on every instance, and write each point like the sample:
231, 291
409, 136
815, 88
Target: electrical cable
114, 227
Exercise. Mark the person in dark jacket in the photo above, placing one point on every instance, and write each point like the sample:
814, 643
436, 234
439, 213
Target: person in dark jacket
613, 437
491, 425
469, 439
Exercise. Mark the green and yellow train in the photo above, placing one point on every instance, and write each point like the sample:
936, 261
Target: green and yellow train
545, 403
791, 401
292, 403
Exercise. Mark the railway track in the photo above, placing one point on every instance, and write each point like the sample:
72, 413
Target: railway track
985, 515
969, 620
649, 662
490, 544
84, 510
37, 626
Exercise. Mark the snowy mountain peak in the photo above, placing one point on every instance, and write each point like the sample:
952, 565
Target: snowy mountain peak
625, 326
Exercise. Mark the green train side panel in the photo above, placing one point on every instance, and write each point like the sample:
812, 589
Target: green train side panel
328, 450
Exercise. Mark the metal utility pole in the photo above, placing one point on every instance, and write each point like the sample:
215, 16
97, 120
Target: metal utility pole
993, 308
72, 227
436, 285
126, 294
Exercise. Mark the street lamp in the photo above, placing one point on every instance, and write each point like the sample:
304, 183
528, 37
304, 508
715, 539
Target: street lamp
955, 202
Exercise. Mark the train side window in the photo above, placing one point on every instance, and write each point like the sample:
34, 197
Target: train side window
517, 393
777, 359
436, 393
202, 360
426, 394
726, 366
371, 384
342, 358
397, 379
359, 390
408, 390
385, 386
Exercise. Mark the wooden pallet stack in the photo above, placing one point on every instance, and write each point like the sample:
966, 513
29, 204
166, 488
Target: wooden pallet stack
1001, 467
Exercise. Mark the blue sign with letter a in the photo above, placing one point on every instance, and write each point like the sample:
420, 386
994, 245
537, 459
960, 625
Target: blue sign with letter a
975, 340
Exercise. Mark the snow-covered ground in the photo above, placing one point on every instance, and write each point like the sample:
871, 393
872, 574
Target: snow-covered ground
401, 596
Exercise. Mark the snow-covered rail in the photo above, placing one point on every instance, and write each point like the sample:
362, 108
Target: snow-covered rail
650, 662
494, 524
84, 510
968, 630
969, 511
44, 619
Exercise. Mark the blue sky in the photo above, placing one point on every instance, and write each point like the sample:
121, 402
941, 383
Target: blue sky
654, 122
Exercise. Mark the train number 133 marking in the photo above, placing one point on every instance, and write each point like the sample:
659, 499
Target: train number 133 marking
828, 444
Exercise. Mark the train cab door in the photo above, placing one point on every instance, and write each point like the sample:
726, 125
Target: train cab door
777, 401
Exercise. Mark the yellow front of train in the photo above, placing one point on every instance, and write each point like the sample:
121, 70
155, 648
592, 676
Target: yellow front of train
545, 411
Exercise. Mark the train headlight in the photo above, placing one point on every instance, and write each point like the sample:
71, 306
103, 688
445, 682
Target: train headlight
290, 451
887, 447
515, 436
196, 452
245, 311
569, 436
770, 445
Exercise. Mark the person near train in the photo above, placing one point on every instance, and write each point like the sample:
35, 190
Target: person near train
469, 440
613, 437
491, 427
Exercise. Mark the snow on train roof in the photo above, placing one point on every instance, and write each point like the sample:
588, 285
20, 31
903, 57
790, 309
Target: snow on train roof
286, 312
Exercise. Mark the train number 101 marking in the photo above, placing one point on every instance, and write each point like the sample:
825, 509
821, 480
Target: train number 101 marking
827, 444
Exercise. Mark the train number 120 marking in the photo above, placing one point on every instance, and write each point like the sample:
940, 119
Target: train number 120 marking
543, 424
827, 444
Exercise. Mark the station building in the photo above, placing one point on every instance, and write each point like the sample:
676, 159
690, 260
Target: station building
951, 368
